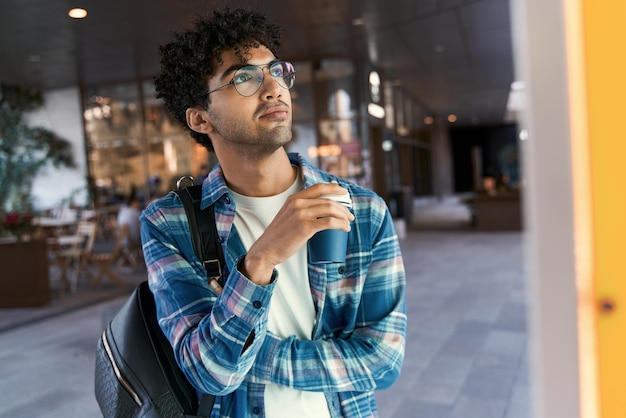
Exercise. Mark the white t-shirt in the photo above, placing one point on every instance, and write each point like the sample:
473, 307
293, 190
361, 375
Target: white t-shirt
291, 310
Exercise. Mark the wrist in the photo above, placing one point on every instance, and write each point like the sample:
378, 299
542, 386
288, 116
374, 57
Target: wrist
257, 270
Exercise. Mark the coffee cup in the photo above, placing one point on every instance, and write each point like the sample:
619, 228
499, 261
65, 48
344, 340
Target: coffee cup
329, 245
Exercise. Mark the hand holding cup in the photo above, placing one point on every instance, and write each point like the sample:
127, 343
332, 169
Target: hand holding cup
329, 245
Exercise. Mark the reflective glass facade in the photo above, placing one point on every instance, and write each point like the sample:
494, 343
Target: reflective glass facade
132, 142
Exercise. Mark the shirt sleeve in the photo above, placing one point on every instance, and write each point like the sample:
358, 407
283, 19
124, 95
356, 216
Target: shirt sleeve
367, 353
208, 332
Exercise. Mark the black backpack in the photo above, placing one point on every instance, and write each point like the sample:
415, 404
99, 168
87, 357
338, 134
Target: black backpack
136, 374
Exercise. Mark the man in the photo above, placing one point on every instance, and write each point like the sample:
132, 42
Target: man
128, 220
283, 337
129, 230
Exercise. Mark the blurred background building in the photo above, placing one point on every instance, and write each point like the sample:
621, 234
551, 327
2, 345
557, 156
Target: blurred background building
406, 97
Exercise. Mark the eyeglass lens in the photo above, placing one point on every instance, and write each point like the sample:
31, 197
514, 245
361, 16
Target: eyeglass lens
248, 79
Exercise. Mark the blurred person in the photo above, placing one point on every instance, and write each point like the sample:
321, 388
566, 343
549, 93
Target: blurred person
154, 186
282, 337
503, 184
128, 220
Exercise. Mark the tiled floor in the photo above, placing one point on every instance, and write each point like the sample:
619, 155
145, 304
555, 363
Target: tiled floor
466, 343
466, 338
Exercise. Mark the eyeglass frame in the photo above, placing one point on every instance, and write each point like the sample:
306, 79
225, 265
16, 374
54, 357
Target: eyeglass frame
260, 67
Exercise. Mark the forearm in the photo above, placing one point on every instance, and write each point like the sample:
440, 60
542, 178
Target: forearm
211, 334
366, 355
207, 331
363, 323
363, 362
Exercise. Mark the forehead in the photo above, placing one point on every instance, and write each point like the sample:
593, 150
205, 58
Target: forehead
259, 55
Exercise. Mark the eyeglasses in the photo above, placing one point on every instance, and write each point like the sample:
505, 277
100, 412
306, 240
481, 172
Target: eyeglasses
248, 79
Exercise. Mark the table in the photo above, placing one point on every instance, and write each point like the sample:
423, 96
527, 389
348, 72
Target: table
47, 222
65, 240
53, 227
500, 212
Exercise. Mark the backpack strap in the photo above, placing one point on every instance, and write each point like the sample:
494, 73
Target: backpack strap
203, 232
206, 245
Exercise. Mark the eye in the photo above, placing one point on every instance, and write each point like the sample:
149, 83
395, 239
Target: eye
243, 76
276, 70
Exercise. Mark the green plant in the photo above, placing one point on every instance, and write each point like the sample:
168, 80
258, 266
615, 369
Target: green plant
24, 149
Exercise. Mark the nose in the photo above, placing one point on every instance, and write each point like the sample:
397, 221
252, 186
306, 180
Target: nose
270, 88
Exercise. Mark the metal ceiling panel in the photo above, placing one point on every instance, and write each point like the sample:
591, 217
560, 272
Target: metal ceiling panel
454, 56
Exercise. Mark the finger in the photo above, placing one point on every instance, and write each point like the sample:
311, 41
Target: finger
333, 223
310, 209
217, 288
334, 209
320, 189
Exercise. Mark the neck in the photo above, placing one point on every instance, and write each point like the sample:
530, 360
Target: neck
264, 177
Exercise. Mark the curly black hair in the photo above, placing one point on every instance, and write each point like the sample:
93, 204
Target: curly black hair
191, 57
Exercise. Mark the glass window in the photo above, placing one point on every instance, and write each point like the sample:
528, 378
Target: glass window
171, 151
113, 125
134, 146
303, 104
339, 150
302, 97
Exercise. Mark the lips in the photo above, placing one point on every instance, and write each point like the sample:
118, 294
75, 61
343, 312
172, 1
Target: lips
275, 112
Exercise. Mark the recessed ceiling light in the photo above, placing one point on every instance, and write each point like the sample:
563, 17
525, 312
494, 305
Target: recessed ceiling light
376, 110
77, 13
452, 118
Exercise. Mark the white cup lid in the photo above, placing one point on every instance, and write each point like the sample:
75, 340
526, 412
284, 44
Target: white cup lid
341, 198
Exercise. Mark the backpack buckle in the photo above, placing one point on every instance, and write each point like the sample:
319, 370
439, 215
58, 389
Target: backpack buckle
213, 268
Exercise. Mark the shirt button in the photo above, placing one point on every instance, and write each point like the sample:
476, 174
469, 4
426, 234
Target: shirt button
257, 304
341, 270
256, 410
228, 200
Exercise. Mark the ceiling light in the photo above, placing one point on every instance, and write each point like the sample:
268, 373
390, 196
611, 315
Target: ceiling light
403, 130
359, 21
429, 120
77, 13
517, 85
376, 111
452, 118
524, 135
374, 78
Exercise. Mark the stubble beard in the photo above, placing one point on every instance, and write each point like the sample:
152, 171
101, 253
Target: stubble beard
268, 141
255, 145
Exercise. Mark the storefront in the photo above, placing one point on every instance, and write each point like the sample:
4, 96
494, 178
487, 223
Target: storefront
347, 120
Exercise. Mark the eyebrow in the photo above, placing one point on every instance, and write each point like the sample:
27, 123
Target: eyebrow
232, 69
239, 65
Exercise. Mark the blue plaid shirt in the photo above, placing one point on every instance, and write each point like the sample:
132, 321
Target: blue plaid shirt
358, 340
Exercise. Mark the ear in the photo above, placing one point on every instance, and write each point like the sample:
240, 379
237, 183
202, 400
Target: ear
198, 120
